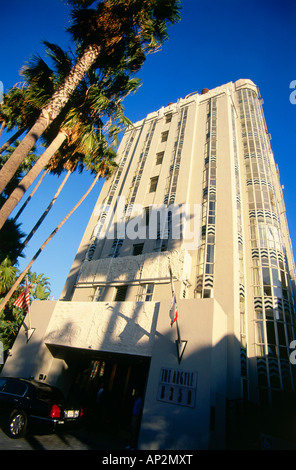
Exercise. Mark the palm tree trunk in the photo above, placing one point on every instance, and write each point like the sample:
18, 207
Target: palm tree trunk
30, 177
12, 139
25, 271
45, 213
49, 113
2, 128
30, 196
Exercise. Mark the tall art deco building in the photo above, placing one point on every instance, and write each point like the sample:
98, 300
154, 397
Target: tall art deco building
195, 209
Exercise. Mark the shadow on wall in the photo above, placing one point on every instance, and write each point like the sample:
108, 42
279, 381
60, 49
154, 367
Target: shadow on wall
115, 327
216, 421
245, 422
103, 262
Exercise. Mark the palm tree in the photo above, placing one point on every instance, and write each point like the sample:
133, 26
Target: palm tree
116, 34
82, 138
83, 153
41, 81
24, 205
30, 177
22, 104
46, 212
101, 168
15, 112
10, 241
81, 119
12, 318
39, 285
26, 165
10, 248
8, 274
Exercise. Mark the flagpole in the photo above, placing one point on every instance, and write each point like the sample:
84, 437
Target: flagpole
23, 302
180, 344
174, 309
27, 287
178, 331
29, 317
30, 330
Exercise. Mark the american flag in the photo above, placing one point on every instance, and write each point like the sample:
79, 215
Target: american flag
23, 300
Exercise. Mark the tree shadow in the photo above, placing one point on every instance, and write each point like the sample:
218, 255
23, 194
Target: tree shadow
175, 230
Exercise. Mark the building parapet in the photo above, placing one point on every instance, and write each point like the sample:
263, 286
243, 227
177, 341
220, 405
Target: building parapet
116, 327
152, 266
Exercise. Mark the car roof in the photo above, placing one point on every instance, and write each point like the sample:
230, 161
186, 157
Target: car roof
39, 386
37, 383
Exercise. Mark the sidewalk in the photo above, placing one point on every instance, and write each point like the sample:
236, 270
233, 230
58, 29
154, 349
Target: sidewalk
81, 439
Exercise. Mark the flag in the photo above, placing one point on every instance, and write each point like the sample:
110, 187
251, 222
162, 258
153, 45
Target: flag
173, 309
23, 300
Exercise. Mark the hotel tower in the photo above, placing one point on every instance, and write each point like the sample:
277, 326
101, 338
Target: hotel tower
183, 286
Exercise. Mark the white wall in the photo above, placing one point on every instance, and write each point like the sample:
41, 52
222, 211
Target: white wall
172, 426
31, 358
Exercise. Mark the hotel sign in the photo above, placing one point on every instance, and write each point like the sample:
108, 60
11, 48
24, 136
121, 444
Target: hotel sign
177, 387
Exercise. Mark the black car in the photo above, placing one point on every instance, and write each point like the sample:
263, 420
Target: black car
25, 403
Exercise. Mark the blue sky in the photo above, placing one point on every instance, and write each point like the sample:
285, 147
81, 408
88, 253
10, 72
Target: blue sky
216, 42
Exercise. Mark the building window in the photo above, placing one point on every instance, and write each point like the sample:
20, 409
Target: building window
120, 294
164, 136
153, 184
164, 229
145, 293
205, 281
138, 249
159, 158
98, 294
146, 215
116, 247
168, 118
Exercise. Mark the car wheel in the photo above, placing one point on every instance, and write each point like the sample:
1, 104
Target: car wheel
17, 425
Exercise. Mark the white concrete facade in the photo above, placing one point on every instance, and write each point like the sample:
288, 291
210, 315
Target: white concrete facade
207, 160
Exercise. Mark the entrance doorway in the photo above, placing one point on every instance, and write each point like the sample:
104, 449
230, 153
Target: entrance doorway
106, 386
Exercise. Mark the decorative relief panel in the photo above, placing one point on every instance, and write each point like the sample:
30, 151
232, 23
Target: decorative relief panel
122, 327
127, 268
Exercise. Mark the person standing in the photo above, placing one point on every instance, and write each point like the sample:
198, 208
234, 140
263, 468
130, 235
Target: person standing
136, 420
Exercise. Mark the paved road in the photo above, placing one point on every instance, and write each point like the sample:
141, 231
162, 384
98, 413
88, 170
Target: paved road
78, 440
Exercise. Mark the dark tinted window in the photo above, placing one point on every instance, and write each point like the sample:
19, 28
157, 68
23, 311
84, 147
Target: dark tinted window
138, 249
2, 383
15, 387
120, 293
49, 394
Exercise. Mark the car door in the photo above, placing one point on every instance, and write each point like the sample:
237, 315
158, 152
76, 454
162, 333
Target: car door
3, 404
11, 395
